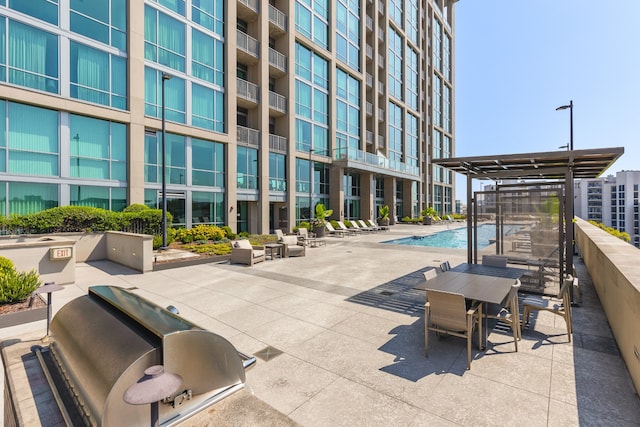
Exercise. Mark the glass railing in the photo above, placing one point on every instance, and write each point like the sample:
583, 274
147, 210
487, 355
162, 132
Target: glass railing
360, 156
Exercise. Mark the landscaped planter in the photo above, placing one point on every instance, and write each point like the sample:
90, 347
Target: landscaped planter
26, 315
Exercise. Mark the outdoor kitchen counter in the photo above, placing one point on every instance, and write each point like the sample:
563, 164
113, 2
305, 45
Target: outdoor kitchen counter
30, 402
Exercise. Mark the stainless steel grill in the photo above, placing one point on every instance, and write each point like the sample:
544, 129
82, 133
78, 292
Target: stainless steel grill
103, 342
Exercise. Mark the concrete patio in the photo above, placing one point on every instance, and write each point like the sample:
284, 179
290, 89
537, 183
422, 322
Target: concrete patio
339, 340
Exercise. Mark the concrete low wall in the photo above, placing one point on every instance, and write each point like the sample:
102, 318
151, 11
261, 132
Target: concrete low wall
34, 253
614, 267
130, 249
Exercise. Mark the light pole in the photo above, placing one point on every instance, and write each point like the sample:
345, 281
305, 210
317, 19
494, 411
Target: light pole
310, 184
570, 107
165, 77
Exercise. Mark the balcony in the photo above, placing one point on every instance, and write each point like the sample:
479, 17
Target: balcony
248, 136
369, 23
277, 21
248, 47
369, 51
248, 92
369, 108
277, 62
381, 7
361, 160
381, 115
381, 35
278, 143
369, 79
381, 145
248, 9
380, 61
370, 137
277, 103
381, 88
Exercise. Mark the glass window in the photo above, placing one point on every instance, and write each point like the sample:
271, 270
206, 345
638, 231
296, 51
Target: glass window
174, 158
104, 21
312, 21
207, 58
208, 163
247, 177
207, 208
33, 58
174, 5
114, 199
97, 149
97, 76
164, 39
209, 14
3, 53
25, 198
46, 10
3, 142
174, 99
207, 108
33, 150
396, 67
277, 172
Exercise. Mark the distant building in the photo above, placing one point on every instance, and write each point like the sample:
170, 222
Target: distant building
612, 201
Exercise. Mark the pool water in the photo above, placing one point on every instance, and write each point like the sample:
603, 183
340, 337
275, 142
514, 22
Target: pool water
455, 238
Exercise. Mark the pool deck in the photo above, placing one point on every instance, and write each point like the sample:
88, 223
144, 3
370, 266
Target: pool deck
339, 339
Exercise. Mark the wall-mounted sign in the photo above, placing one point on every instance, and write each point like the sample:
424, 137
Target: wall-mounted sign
62, 252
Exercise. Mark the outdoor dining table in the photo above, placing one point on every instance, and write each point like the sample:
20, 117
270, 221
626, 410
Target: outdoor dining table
482, 283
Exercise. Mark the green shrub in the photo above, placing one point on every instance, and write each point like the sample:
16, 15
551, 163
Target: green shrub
228, 233
136, 207
616, 233
17, 286
209, 248
5, 264
201, 232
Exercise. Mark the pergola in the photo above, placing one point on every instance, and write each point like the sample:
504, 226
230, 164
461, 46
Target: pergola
530, 175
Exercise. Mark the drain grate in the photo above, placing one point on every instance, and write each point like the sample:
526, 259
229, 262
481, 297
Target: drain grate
386, 293
268, 353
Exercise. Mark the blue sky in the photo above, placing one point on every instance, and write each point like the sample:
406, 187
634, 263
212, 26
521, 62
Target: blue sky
517, 60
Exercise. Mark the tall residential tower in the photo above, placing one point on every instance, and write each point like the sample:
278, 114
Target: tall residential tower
270, 107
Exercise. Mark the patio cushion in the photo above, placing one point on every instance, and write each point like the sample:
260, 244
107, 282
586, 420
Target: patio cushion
242, 244
257, 253
290, 240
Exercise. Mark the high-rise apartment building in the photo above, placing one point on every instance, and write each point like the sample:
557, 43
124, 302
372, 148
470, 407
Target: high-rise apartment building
612, 201
270, 107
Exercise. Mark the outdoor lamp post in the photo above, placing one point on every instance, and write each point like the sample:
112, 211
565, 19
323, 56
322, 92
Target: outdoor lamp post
310, 184
165, 77
570, 107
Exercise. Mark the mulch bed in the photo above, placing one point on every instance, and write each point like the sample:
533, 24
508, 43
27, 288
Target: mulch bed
21, 306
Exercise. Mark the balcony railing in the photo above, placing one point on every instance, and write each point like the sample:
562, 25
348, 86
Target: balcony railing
381, 34
248, 44
251, 4
380, 61
381, 88
369, 80
369, 50
278, 143
380, 115
363, 157
248, 90
277, 60
277, 102
381, 7
369, 109
370, 137
277, 18
381, 142
369, 23
248, 136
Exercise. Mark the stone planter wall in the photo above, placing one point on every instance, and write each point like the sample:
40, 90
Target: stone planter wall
35, 253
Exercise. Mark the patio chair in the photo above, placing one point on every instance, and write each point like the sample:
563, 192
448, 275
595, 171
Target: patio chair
279, 234
563, 309
494, 261
364, 225
430, 274
509, 313
349, 230
293, 247
303, 236
445, 312
355, 226
333, 232
243, 253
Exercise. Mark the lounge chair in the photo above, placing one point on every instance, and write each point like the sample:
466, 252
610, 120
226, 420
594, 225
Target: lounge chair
355, 226
364, 225
243, 253
333, 232
293, 247
349, 230
303, 236
380, 227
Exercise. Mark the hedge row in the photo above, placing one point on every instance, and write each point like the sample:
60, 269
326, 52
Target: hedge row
85, 219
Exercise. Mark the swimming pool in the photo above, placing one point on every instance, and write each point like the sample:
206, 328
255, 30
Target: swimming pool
455, 238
